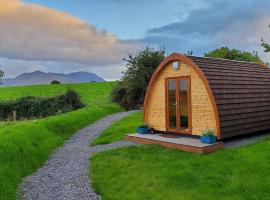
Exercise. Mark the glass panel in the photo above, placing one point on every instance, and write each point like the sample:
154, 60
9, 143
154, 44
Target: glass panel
172, 103
183, 104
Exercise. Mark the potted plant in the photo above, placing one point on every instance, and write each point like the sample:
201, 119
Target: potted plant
143, 129
208, 136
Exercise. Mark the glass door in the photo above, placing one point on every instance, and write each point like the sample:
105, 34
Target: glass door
171, 105
178, 105
183, 104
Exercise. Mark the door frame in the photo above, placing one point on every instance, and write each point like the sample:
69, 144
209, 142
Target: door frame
177, 130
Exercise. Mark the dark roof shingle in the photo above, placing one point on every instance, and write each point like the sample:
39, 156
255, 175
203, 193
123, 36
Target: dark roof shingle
242, 94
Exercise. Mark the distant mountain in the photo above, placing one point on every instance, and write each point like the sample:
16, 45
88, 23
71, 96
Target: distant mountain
39, 77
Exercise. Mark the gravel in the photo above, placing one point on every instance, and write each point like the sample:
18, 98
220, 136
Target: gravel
65, 174
244, 140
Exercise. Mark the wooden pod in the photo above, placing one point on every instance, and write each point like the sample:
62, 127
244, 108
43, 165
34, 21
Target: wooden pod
231, 97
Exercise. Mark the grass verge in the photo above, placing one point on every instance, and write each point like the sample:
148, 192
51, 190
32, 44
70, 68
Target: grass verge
25, 146
152, 172
119, 129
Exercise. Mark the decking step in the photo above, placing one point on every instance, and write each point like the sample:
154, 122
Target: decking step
181, 143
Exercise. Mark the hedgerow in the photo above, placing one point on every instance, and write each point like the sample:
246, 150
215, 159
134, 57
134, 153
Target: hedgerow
30, 107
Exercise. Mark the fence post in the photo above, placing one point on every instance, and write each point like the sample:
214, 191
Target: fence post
14, 115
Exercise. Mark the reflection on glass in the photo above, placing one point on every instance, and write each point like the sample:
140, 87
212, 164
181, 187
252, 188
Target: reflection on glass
172, 103
183, 104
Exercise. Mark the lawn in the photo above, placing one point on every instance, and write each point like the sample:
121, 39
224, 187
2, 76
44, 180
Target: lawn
25, 146
119, 129
152, 172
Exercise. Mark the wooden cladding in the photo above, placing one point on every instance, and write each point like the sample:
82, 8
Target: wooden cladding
202, 112
242, 94
233, 97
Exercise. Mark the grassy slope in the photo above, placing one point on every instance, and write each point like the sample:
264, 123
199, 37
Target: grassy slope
25, 146
119, 129
152, 172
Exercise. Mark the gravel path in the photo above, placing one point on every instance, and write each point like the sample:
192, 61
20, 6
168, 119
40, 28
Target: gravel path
65, 174
251, 139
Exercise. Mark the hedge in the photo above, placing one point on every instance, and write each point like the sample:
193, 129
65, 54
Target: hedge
30, 107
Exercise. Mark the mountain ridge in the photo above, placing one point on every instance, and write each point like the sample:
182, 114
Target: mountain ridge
40, 78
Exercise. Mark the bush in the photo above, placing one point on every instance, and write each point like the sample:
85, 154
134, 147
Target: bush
38, 107
1, 75
55, 82
73, 99
208, 132
120, 94
130, 91
143, 126
234, 54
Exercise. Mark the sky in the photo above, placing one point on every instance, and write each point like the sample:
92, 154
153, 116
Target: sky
88, 35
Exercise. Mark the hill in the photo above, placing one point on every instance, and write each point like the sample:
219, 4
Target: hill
39, 78
25, 146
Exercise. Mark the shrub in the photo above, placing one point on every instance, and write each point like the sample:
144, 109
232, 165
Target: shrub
120, 95
73, 99
55, 82
234, 54
130, 91
143, 126
208, 132
38, 107
1, 75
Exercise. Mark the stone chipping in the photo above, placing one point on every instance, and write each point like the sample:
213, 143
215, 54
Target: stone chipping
65, 175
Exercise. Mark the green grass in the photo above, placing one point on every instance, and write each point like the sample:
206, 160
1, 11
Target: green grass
25, 146
91, 93
152, 172
119, 129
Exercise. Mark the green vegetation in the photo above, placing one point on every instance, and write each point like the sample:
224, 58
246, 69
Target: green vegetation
208, 132
234, 54
101, 91
130, 91
25, 146
39, 107
55, 82
1, 74
265, 45
119, 129
152, 172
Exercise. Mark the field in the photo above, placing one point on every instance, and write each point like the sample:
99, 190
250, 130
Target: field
25, 146
138, 172
119, 129
153, 172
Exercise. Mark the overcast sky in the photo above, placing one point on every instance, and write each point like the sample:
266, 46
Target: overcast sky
94, 36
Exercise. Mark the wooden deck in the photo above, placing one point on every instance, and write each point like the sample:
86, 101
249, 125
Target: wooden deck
181, 143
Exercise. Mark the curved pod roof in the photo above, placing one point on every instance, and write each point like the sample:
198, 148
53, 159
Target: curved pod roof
239, 92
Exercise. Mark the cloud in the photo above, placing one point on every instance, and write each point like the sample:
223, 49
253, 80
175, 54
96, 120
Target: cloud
34, 37
33, 32
237, 24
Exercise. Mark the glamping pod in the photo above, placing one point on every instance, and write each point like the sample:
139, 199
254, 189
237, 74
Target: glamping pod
189, 94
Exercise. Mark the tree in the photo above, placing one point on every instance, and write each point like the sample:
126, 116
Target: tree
234, 54
188, 53
130, 91
1, 75
55, 82
265, 45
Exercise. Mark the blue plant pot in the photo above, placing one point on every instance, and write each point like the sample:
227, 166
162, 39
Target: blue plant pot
143, 130
208, 139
